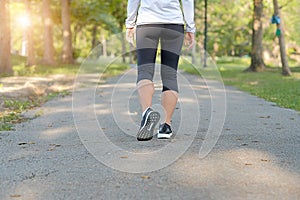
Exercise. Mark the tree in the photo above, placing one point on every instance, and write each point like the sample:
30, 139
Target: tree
118, 10
280, 32
94, 20
257, 63
67, 54
29, 34
5, 62
48, 57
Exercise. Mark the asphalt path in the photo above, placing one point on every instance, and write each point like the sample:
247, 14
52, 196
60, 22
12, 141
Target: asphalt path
227, 145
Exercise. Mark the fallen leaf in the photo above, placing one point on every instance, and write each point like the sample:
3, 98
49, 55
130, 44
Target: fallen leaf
264, 160
15, 196
248, 164
124, 157
54, 145
31, 142
24, 143
267, 117
145, 177
253, 82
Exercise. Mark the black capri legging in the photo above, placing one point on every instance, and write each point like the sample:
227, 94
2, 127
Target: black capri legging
147, 38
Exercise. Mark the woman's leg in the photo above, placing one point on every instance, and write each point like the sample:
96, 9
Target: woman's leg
171, 44
145, 90
169, 101
147, 42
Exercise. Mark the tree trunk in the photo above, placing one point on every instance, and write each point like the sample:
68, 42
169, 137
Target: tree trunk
5, 62
67, 54
257, 63
48, 34
284, 60
205, 34
94, 36
29, 33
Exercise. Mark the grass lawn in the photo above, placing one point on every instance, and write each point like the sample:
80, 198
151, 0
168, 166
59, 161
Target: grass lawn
270, 85
109, 67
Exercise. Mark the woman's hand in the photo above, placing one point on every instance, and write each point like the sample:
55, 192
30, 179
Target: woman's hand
130, 33
189, 40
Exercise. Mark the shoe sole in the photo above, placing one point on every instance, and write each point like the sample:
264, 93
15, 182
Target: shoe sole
146, 132
164, 135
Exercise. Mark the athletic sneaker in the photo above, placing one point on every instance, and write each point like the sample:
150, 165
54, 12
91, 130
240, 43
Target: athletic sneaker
164, 132
148, 123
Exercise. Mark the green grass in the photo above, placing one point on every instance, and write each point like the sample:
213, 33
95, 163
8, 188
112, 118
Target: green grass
109, 67
12, 113
20, 68
14, 108
270, 84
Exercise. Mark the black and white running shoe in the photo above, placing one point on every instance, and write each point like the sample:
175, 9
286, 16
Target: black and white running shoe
164, 132
148, 123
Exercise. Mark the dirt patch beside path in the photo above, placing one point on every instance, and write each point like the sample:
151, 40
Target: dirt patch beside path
31, 87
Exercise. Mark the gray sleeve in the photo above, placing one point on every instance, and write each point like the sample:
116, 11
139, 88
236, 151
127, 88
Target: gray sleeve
188, 13
132, 11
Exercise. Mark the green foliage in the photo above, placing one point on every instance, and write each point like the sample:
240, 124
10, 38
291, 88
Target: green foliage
230, 25
53, 95
18, 105
5, 126
14, 109
20, 68
229, 31
13, 112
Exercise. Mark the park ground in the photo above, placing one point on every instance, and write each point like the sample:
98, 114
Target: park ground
255, 157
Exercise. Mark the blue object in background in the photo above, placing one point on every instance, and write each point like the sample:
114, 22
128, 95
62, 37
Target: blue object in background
275, 19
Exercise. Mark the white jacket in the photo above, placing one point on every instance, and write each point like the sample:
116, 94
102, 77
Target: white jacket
161, 12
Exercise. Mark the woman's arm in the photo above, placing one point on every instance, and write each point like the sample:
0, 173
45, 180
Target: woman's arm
132, 10
188, 12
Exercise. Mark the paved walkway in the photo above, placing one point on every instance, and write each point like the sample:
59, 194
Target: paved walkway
98, 157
